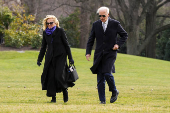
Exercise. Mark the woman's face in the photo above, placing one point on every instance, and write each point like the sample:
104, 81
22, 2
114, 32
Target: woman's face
50, 23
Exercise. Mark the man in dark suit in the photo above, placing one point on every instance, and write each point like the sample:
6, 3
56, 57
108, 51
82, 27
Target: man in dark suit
105, 32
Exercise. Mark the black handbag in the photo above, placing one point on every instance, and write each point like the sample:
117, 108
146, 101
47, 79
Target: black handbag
72, 73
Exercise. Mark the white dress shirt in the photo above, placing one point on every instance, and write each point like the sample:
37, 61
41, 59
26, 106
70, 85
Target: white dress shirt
104, 24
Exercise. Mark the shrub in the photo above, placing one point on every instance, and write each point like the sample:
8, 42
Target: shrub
36, 41
12, 39
162, 42
5, 20
167, 51
22, 31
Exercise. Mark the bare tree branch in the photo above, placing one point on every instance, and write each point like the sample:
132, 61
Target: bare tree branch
122, 4
145, 8
111, 3
53, 8
159, 1
161, 29
156, 31
78, 1
64, 4
143, 3
163, 3
165, 16
162, 21
118, 14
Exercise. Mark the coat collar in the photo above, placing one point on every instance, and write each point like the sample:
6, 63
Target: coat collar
54, 32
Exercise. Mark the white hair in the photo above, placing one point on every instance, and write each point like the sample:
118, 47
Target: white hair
103, 8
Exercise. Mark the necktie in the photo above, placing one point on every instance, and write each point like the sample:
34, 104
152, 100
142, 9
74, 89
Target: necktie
104, 26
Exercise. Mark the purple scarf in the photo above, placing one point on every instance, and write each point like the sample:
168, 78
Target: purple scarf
50, 31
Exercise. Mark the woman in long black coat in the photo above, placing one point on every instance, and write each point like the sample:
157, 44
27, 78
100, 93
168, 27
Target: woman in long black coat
55, 47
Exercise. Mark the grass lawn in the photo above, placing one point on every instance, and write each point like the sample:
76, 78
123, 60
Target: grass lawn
143, 84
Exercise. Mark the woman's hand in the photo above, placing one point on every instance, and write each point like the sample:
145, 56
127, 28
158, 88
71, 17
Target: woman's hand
71, 61
38, 63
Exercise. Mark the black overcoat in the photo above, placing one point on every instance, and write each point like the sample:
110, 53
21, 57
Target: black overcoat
56, 48
105, 41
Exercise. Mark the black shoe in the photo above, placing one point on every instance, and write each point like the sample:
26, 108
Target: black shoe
53, 99
114, 98
65, 95
102, 102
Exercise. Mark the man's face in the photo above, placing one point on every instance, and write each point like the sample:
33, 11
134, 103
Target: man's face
103, 15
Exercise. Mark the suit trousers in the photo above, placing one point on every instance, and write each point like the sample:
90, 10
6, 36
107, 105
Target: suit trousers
101, 78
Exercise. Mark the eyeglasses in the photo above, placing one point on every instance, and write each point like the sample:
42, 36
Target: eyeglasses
102, 15
49, 23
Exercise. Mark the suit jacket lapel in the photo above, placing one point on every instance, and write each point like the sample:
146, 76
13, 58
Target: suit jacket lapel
100, 26
108, 24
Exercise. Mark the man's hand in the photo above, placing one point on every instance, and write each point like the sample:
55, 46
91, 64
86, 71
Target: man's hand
38, 63
116, 47
88, 56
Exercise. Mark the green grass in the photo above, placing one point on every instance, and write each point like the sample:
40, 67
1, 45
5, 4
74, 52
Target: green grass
143, 83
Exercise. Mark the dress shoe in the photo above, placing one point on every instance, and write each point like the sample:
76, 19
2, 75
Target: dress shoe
53, 99
102, 102
65, 95
114, 97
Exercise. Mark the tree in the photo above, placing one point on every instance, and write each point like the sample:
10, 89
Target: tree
86, 12
162, 45
71, 24
134, 12
5, 20
150, 25
138, 17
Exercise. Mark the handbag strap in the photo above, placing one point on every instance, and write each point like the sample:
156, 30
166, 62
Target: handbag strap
72, 65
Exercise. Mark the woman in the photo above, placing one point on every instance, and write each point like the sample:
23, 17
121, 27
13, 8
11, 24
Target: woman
56, 48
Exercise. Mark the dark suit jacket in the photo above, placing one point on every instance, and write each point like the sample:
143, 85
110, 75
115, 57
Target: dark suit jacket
105, 41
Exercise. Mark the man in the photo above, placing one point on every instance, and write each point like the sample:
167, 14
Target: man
105, 32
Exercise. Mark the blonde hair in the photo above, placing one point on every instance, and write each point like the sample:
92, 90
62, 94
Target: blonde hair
103, 8
50, 17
